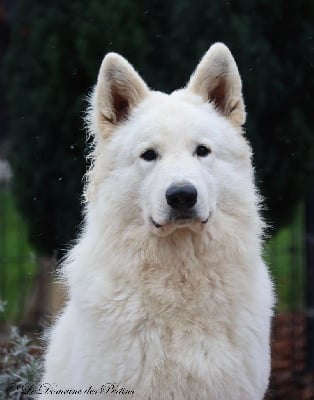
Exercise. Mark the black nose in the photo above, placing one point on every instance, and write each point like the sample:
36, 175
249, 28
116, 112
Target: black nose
181, 197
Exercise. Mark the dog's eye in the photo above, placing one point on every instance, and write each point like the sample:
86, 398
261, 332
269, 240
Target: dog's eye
149, 155
202, 151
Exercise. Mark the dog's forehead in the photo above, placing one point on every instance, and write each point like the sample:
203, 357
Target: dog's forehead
174, 116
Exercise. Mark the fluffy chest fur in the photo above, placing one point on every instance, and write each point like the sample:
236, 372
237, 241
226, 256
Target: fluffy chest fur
179, 319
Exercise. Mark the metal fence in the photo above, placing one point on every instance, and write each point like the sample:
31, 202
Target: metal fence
290, 256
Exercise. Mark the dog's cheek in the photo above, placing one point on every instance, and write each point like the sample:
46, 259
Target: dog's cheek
230, 190
153, 197
145, 193
207, 190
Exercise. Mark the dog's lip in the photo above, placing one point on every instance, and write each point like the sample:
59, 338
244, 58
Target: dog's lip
156, 225
181, 219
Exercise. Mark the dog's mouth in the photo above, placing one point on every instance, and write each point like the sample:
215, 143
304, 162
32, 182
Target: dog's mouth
176, 222
185, 220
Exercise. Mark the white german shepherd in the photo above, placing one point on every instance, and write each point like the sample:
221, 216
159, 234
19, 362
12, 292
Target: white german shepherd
169, 297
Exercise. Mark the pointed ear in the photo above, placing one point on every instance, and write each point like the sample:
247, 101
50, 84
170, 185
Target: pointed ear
217, 80
119, 89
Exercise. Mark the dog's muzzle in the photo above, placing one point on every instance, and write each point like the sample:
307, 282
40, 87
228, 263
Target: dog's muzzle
181, 199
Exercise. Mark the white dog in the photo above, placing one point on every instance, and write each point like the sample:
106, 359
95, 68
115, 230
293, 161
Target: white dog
168, 295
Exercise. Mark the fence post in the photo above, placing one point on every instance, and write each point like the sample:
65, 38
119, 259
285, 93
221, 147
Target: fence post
309, 237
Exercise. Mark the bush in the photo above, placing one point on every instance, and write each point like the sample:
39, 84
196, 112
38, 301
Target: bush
20, 365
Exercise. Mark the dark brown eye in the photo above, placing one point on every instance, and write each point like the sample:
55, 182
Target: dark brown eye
202, 151
149, 155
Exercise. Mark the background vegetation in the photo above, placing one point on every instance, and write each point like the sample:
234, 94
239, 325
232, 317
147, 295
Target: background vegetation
15, 251
56, 49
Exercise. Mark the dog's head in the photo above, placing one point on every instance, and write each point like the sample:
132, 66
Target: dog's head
169, 161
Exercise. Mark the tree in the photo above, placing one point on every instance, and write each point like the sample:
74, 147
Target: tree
45, 104
53, 61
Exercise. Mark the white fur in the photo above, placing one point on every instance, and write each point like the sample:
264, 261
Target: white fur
177, 312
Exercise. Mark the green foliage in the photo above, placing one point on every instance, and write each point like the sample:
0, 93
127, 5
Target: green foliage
285, 254
18, 262
55, 53
45, 105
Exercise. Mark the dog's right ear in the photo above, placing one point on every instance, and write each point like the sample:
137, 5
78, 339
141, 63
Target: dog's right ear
119, 88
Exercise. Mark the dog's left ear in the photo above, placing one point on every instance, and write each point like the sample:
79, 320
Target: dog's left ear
118, 90
217, 80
